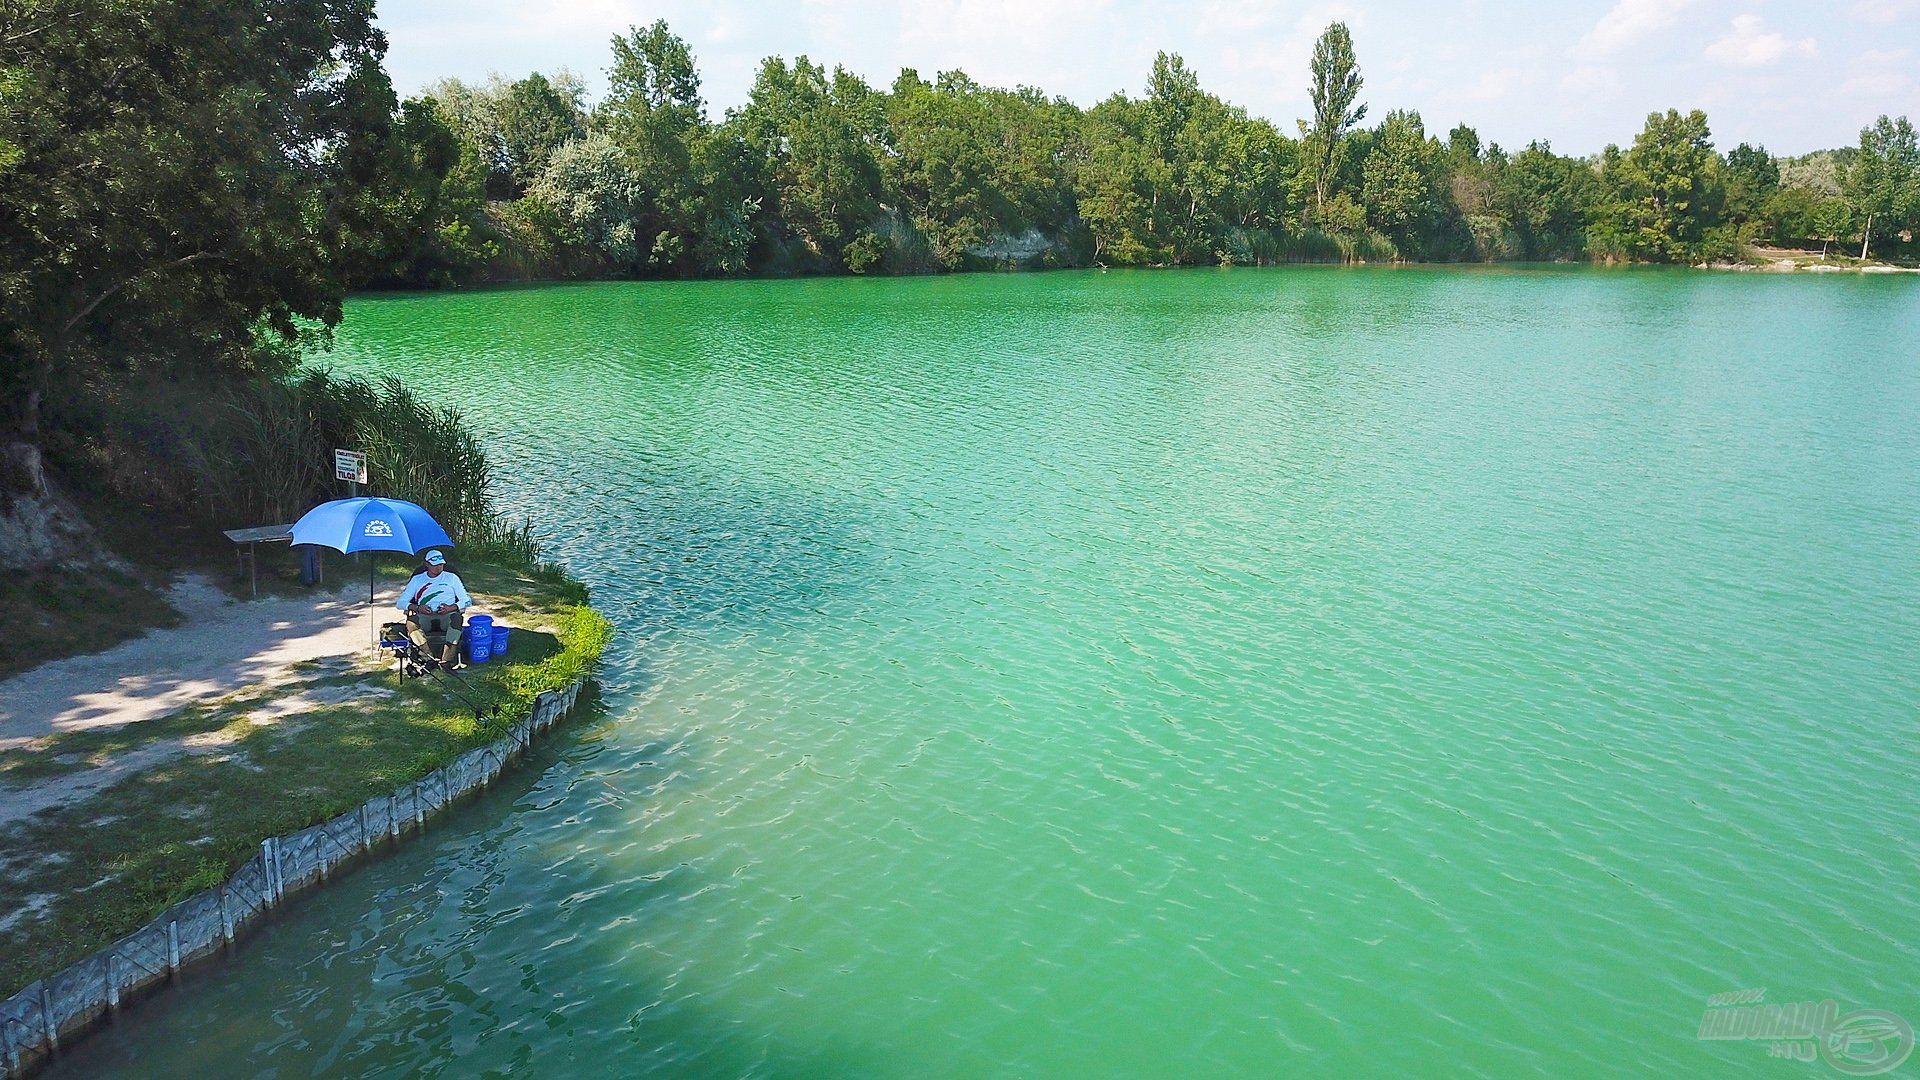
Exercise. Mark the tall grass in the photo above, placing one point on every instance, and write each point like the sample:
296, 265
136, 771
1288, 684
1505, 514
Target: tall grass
415, 451
259, 450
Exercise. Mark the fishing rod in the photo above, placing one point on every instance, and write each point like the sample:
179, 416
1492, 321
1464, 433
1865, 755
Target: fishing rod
412, 656
447, 681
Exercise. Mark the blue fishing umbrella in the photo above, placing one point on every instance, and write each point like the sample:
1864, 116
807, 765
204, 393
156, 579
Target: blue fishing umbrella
366, 524
351, 525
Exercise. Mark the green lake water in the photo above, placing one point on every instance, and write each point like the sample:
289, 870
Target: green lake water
1299, 672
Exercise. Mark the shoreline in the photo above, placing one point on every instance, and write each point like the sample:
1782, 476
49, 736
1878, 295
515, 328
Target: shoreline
163, 762
1763, 265
79, 999
1794, 266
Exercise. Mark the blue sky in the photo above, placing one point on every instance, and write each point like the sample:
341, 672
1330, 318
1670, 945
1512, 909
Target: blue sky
1796, 76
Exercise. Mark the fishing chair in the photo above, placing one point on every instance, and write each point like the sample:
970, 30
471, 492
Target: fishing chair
414, 660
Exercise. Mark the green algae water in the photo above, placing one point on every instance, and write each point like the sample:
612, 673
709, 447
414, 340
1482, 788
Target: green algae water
1301, 672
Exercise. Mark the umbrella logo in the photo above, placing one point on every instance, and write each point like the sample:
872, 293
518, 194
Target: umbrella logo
376, 527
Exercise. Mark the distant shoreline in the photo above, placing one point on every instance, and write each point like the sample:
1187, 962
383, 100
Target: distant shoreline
1760, 265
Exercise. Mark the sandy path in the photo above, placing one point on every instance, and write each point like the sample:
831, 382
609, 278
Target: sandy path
223, 645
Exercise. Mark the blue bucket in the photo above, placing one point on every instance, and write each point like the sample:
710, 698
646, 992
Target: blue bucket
479, 638
499, 646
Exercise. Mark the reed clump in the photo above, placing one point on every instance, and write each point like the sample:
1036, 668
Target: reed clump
259, 450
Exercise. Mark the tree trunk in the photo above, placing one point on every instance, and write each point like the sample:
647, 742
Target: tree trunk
1866, 237
21, 470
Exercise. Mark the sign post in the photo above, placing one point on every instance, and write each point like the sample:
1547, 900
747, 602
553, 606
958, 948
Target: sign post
351, 466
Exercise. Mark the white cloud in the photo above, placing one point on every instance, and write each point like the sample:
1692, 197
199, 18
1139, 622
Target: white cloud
985, 25
1494, 85
1877, 85
1591, 80
1246, 50
1880, 75
1630, 20
1750, 44
1884, 12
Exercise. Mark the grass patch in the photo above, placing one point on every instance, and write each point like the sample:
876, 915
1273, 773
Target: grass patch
59, 612
74, 751
117, 858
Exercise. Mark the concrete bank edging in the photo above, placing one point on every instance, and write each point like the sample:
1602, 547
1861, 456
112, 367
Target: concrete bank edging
71, 1002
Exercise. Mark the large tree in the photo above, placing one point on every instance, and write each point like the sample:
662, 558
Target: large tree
1548, 198
654, 114
1402, 187
1335, 90
1113, 185
1883, 184
817, 138
419, 221
535, 119
941, 171
1663, 194
170, 184
1752, 176
595, 200
1180, 176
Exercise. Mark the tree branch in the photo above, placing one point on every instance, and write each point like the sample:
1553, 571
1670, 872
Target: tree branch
94, 304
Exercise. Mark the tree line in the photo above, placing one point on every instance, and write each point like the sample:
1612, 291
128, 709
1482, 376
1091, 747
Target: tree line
821, 172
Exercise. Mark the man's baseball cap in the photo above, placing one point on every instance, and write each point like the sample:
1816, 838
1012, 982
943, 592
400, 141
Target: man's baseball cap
434, 558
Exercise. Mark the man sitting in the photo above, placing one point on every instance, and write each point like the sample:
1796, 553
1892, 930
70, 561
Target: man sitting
435, 602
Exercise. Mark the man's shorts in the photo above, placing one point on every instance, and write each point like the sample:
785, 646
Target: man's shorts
427, 629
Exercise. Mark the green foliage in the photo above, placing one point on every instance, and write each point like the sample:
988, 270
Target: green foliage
820, 172
171, 181
534, 120
1114, 185
1345, 221
1832, 221
419, 452
509, 130
1752, 177
418, 221
584, 635
1663, 195
1402, 190
1883, 183
653, 116
1789, 214
942, 167
971, 166
1808, 204
1549, 200
258, 451
1181, 177
1334, 90
815, 142
1817, 172
595, 202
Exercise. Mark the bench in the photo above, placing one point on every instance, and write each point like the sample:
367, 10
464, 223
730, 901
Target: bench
253, 538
